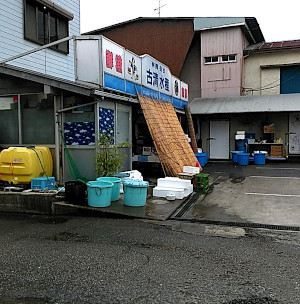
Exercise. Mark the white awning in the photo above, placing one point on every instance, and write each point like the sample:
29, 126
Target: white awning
246, 104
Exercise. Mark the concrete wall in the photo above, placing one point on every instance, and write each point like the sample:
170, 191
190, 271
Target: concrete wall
47, 61
262, 71
222, 79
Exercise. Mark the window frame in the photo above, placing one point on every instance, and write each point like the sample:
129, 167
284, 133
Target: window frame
209, 59
228, 58
32, 34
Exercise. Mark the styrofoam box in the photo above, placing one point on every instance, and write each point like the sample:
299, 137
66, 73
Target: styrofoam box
240, 132
188, 191
190, 169
164, 191
239, 136
173, 182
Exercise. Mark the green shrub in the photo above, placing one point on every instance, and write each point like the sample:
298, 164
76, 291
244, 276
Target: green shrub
109, 157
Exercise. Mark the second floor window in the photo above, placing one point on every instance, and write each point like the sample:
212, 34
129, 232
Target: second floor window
44, 24
220, 59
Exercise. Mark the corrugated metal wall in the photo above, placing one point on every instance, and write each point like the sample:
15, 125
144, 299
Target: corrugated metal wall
166, 40
222, 79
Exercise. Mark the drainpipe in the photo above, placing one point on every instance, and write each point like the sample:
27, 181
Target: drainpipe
57, 141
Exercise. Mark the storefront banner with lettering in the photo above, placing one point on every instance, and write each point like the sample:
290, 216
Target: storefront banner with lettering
156, 76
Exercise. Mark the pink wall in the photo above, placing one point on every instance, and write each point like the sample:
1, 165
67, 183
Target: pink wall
222, 79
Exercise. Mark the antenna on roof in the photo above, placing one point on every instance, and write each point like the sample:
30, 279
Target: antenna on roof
159, 7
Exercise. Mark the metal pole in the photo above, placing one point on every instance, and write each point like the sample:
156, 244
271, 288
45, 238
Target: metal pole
37, 49
56, 139
19, 120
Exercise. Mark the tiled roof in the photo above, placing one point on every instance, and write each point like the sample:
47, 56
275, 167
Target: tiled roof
273, 46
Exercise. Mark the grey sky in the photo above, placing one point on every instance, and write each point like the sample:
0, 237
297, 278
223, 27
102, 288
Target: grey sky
279, 20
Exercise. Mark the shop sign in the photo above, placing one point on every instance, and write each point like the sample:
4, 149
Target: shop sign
184, 91
112, 58
156, 76
176, 88
133, 67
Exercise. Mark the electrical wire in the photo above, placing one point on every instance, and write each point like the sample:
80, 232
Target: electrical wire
268, 87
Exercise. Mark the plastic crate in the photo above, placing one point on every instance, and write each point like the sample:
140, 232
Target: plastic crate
202, 180
202, 189
43, 182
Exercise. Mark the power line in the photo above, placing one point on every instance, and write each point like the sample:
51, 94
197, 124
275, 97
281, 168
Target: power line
269, 85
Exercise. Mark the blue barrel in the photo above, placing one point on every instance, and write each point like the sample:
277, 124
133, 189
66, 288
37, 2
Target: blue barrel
243, 158
115, 195
202, 158
242, 148
206, 157
234, 156
259, 158
99, 193
135, 192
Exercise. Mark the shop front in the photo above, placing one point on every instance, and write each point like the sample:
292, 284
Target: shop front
258, 123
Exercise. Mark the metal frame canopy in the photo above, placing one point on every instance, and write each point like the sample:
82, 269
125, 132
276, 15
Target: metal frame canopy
246, 104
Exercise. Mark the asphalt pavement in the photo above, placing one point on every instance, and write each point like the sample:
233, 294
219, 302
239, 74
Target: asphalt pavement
266, 195
106, 260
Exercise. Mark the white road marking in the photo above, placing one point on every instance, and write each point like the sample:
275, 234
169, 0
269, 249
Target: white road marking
273, 194
266, 168
286, 177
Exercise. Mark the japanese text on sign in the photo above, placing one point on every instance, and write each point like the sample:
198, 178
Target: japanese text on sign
156, 75
110, 61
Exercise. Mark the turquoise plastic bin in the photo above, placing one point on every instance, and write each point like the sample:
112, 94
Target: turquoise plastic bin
115, 195
202, 158
99, 193
243, 159
234, 156
259, 158
135, 192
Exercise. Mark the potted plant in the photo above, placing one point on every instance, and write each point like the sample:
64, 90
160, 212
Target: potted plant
109, 156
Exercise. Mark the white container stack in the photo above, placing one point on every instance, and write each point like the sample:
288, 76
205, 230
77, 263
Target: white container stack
178, 187
191, 169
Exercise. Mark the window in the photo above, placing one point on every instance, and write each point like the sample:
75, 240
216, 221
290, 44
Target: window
44, 23
209, 60
229, 58
220, 59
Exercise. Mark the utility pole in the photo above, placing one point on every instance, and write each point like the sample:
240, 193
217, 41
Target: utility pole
159, 7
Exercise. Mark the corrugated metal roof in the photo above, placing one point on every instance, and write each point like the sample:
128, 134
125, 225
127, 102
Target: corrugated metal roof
246, 104
204, 23
136, 20
249, 26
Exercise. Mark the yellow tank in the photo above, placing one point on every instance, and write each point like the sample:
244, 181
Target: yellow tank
18, 165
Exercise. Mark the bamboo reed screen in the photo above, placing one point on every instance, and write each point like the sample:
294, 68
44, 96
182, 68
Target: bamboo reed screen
170, 142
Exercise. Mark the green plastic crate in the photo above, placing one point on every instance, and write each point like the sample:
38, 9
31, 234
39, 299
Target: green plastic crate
202, 180
202, 189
